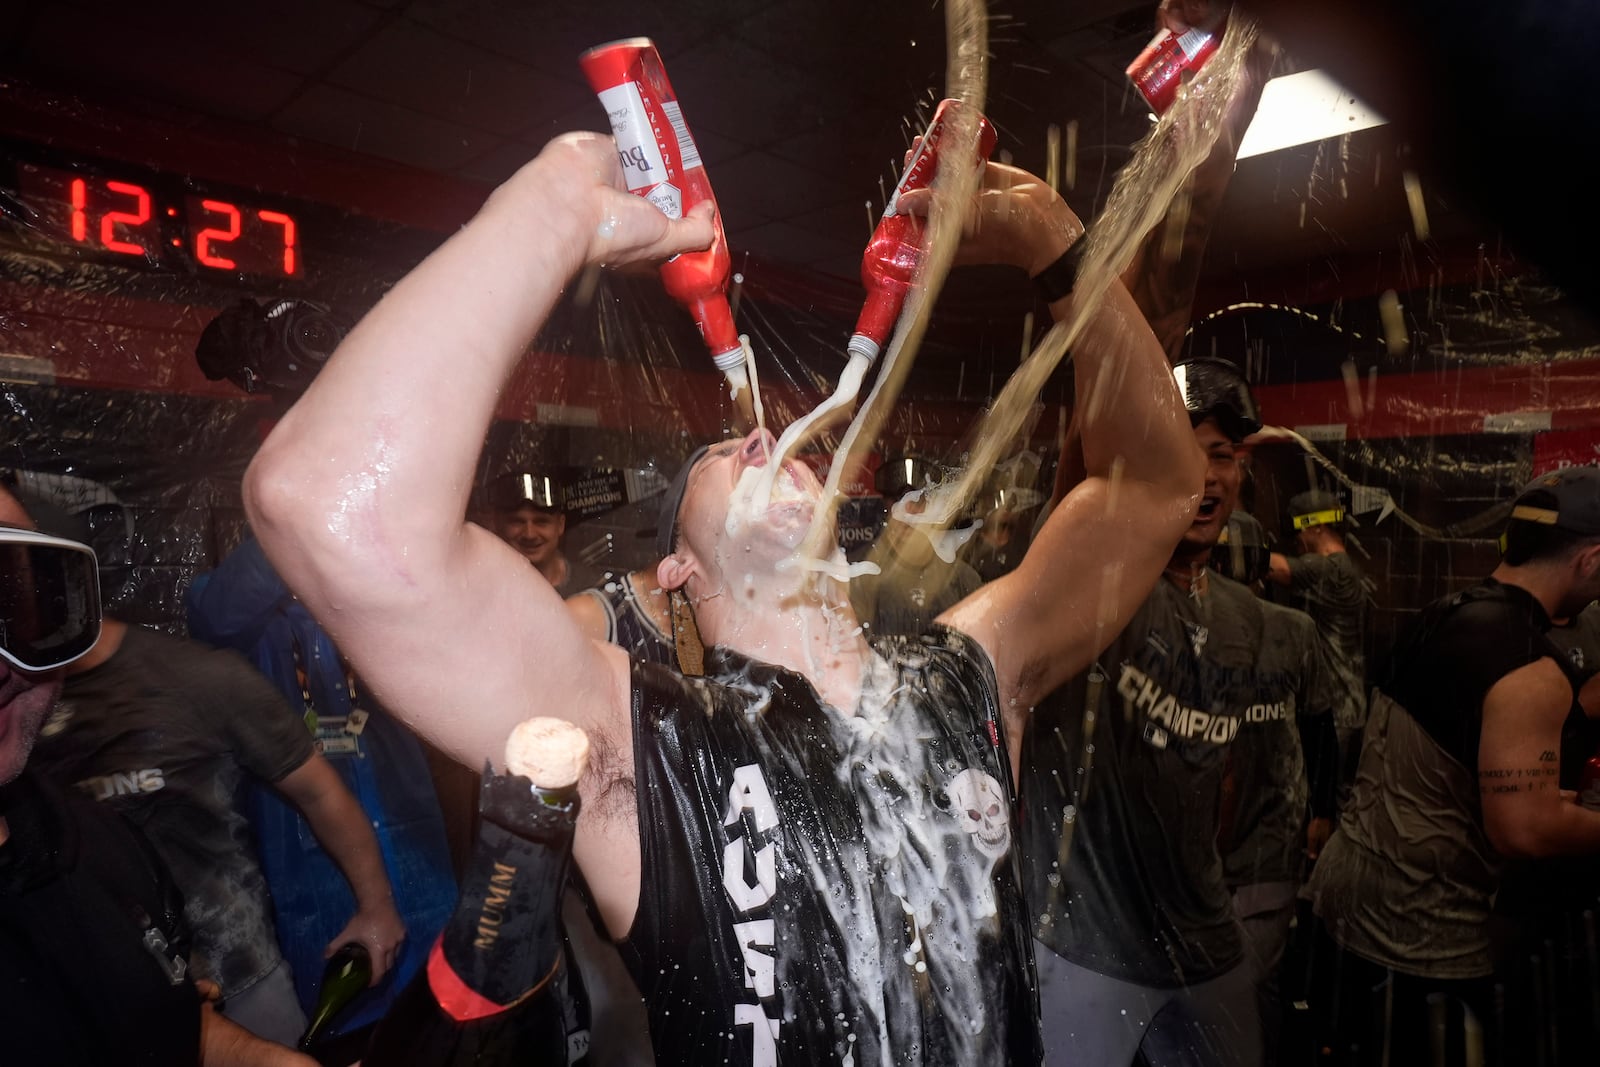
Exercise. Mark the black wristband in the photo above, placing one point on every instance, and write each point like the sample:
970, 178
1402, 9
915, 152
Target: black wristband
1055, 281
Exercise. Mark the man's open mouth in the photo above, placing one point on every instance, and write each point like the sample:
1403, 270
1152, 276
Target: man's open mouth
1209, 506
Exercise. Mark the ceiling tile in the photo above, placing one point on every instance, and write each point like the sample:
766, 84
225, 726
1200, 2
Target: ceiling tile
410, 65
499, 163
162, 65
794, 244
766, 187
845, 221
299, 36
361, 124
728, 87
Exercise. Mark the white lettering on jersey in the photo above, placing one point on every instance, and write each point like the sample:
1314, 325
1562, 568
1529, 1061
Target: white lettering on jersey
1176, 719
744, 895
125, 783
749, 792
763, 1031
760, 969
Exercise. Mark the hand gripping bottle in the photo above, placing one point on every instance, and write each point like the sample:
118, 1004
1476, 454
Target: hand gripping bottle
895, 249
1170, 59
661, 164
495, 991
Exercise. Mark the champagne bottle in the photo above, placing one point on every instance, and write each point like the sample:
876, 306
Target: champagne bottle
491, 991
348, 972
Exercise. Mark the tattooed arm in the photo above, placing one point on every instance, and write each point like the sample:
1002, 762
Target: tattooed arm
1519, 767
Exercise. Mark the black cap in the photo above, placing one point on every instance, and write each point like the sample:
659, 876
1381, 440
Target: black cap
1568, 498
667, 519
1214, 389
1315, 507
511, 491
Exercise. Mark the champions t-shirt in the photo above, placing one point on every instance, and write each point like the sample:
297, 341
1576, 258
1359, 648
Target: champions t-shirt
819, 888
1122, 774
164, 731
1265, 819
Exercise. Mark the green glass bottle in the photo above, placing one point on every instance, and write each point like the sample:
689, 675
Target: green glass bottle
349, 971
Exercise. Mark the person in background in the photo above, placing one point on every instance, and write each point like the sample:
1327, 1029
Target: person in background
166, 731
1459, 771
914, 584
1326, 583
526, 511
93, 939
1138, 946
243, 605
1280, 788
633, 612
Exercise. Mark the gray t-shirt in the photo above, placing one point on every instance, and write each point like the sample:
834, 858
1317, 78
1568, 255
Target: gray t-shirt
1265, 818
1409, 879
1122, 772
164, 731
1332, 590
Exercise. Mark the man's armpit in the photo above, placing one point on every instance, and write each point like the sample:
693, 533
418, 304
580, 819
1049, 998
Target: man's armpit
611, 789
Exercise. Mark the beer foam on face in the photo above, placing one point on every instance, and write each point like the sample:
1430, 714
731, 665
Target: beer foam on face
758, 489
550, 753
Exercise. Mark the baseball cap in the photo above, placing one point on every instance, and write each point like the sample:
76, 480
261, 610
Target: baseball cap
1568, 498
49, 599
1214, 388
1315, 507
667, 520
525, 487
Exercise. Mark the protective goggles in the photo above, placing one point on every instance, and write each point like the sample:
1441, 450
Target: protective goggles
1212, 388
49, 600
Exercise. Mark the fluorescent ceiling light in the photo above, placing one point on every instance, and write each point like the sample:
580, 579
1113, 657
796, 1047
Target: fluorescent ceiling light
1301, 108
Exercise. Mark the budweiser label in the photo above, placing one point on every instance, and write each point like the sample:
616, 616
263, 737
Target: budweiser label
642, 165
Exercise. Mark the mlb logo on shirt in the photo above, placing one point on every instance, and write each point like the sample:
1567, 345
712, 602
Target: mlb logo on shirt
1155, 736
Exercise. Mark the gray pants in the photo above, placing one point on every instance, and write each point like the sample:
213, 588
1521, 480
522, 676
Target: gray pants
1089, 1018
1266, 911
269, 1007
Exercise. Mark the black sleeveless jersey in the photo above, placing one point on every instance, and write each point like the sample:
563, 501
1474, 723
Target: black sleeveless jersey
629, 625
819, 888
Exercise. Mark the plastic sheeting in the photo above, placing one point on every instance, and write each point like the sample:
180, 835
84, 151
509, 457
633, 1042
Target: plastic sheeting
1430, 406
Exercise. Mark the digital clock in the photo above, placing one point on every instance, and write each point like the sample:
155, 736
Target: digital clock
102, 214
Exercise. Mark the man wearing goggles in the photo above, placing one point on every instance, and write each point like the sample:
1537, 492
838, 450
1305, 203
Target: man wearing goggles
93, 944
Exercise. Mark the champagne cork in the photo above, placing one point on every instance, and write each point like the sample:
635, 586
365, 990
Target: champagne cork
550, 753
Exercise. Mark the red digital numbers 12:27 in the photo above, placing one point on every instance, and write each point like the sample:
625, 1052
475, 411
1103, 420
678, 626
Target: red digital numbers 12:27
121, 217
